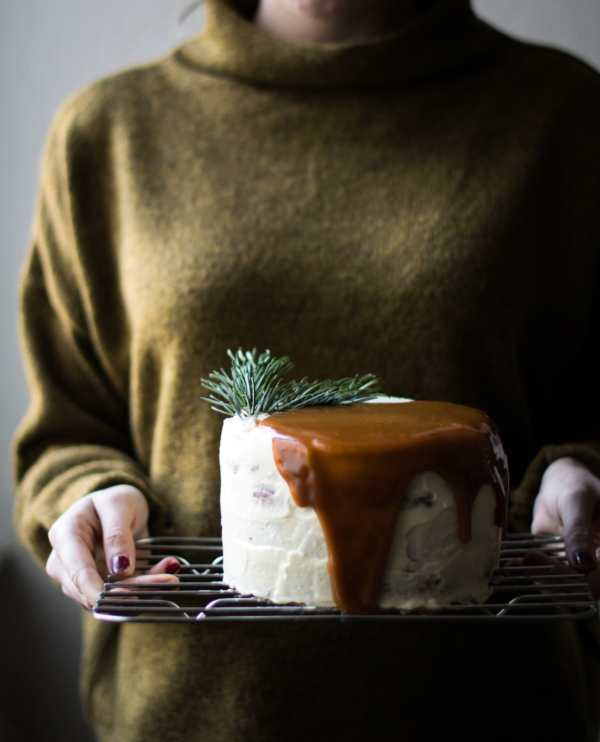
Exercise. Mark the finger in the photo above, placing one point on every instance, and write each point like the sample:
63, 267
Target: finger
539, 559
54, 568
132, 591
158, 582
540, 563
165, 571
73, 541
577, 514
155, 579
168, 565
161, 574
119, 511
544, 523
593, 578
61, 575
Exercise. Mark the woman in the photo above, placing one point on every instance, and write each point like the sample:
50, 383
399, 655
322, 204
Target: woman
377, 187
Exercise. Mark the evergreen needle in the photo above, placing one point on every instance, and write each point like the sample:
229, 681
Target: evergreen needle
255, 386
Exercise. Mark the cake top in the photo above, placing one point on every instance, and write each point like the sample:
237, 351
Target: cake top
380, 427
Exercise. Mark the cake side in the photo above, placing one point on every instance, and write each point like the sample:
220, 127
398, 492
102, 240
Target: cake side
428, 564
271, 547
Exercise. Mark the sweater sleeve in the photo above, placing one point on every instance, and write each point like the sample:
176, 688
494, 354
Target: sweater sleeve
75, 437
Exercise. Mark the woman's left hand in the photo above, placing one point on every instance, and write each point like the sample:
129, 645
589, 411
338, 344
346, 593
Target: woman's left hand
568, 505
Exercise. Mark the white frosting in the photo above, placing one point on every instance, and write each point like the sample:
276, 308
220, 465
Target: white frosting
274, 549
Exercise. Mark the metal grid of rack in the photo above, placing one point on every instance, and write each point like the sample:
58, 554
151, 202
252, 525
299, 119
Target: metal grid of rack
519, 592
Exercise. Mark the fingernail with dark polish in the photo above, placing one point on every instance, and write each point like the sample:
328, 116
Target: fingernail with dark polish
119, 564
584, 559
172, 568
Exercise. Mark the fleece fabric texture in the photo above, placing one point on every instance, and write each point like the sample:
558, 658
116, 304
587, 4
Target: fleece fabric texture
423, 206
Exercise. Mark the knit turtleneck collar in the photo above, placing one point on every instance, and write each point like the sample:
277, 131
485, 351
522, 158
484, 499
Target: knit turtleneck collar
446, 37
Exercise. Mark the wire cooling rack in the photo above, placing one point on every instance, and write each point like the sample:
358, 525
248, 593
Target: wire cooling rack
519, 592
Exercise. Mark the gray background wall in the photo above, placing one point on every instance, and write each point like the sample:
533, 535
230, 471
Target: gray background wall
49, 49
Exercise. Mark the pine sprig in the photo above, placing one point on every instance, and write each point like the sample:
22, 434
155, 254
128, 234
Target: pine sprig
255, 386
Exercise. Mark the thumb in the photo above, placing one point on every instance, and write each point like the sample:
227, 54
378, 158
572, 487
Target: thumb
122, 511
577, 510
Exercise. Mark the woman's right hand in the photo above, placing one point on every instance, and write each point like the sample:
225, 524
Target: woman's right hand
95, 538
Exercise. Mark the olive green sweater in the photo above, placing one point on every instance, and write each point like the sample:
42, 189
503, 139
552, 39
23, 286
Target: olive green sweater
425, 207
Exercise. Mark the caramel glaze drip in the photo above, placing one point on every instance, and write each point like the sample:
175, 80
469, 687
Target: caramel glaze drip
354, 463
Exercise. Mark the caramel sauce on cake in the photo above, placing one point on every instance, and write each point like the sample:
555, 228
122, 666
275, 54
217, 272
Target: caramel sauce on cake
353, 465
